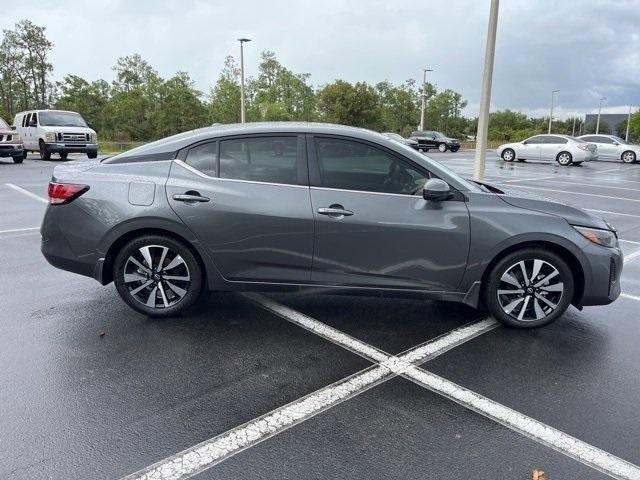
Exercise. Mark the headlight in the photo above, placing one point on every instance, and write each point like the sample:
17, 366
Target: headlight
50, 137
94, 138
606, 238
16, 137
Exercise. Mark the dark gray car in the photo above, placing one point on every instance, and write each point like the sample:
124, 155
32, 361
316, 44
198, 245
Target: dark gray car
292, 206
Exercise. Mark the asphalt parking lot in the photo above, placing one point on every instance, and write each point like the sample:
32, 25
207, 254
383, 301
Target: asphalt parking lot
306, 386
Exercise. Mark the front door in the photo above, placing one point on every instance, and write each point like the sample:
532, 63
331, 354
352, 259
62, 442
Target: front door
374, 229
530, 149
551, 147
247, 200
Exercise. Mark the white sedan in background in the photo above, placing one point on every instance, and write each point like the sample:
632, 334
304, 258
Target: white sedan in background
614, 148
564, 149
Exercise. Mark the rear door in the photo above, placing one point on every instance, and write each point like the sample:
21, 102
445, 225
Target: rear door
247, 200
551, 147
373, 228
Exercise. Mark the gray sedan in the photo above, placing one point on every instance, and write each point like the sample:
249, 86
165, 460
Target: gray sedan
302, 206
614, 148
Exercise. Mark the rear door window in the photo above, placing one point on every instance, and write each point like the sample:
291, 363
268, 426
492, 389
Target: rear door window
260, 159
204, 158
553, 140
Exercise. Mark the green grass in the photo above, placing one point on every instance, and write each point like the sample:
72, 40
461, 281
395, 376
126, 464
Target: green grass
111, 147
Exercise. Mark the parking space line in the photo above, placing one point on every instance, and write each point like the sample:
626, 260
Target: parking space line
16, 230
566, 444
611, 213
630, 297
577, 193
211, 452
26, 192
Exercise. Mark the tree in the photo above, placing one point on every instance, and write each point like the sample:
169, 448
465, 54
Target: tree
179, 107
88, 99
224, 99
399, 106
634, 127
279, 94
444, 113
25, 68
343, 103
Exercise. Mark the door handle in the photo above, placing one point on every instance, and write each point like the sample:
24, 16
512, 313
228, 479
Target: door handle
190, 197
335, 211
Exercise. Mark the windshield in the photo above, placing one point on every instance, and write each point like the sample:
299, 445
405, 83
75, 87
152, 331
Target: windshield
3, 124
61, 119
439, 135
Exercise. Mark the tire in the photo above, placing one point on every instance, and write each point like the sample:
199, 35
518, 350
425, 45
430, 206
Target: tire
64, 155
147, 290
45, 154
442, 147
92, 155
533, 307
18, 159
577, 164
455, 149
564, 158
508, 155
628, 157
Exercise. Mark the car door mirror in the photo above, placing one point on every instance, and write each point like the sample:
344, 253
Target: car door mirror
13, 127
436, 190
525, 143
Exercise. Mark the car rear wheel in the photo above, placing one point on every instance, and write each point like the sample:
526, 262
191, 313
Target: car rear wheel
629, 157
63, 156
442, 147
508, 155
564, 159
45, 154
455, 149
157, 276
529, 288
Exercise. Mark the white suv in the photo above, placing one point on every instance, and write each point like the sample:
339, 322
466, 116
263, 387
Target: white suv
56, 131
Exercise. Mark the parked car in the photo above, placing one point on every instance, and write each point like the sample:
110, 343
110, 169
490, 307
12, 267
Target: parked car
613, 148
428, 140
11, 143
295, 206
405, 141
56, 131
564, 149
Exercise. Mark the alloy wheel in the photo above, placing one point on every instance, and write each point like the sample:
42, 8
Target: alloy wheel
564, 159
530, 290
442, 148
156, 276
628, 157
508, 155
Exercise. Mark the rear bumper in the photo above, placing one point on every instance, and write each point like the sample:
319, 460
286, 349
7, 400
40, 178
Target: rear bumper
70, 148
11, 150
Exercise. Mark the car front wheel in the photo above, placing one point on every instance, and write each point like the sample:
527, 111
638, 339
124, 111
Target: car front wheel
442, 148
157, 275
18, 158
45, 154
529, 288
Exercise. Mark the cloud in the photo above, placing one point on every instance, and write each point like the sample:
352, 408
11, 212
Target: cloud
585, 49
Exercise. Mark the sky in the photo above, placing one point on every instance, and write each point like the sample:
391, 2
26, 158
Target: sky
587, 49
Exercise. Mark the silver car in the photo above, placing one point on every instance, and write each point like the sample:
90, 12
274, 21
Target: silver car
564, 149
614, 148
303, 206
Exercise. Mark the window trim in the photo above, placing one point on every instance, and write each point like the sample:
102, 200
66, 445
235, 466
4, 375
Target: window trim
315, 178
199, 144
301, 156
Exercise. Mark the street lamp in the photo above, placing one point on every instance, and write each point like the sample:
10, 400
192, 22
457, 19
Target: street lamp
626, 137
242, 41
424, 96
551, 112
485, 97
599, 110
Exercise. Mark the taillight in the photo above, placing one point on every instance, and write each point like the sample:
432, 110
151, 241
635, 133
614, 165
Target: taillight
61, 193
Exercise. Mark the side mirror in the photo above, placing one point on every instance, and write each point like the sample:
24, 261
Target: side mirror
616, 143
436, 190
13, 127
525, 143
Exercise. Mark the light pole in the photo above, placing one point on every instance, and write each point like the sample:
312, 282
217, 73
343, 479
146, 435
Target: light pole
551, 112
573, 130
485, 97
599, 110
424, 96
242, 41
626, 137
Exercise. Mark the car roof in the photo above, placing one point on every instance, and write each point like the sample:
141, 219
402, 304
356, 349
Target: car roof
177, 142
46, 110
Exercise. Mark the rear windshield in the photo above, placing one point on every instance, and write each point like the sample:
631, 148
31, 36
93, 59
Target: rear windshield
61, 119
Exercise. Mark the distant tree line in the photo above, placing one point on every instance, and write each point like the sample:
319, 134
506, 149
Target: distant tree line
140, 105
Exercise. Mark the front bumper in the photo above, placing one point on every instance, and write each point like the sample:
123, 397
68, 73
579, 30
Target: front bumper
11, 150
602, 282
72, 148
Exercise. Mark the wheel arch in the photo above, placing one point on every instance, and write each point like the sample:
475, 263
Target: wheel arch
106, 274
566, 254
